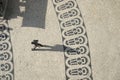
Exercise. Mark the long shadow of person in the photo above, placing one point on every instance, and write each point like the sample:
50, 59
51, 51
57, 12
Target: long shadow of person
61, 48
49, 48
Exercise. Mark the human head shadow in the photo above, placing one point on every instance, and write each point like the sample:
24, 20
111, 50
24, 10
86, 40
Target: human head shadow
57, 47
34, 14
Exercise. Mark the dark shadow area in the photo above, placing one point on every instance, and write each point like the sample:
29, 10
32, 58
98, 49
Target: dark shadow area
40, 47
33, 15
13, 9
3, 6
50, 48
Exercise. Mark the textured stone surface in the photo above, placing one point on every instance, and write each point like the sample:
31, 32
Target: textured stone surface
102, 22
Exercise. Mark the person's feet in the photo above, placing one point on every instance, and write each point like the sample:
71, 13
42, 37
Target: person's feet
36, 44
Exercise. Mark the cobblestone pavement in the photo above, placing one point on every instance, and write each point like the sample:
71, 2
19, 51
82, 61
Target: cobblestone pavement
80, 37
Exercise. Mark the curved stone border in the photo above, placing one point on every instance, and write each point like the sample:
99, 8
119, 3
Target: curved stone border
75, 41
6, 53
77, 53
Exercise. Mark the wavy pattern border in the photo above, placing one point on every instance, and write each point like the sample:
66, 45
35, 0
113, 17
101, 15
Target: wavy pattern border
75, 40
6, 53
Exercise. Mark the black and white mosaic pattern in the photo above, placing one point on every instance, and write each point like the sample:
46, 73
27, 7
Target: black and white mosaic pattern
6, 53
77, 53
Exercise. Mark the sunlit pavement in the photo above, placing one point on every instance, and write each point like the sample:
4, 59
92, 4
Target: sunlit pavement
102, 26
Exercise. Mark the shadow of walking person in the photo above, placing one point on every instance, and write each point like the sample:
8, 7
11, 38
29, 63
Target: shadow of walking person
50, 48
